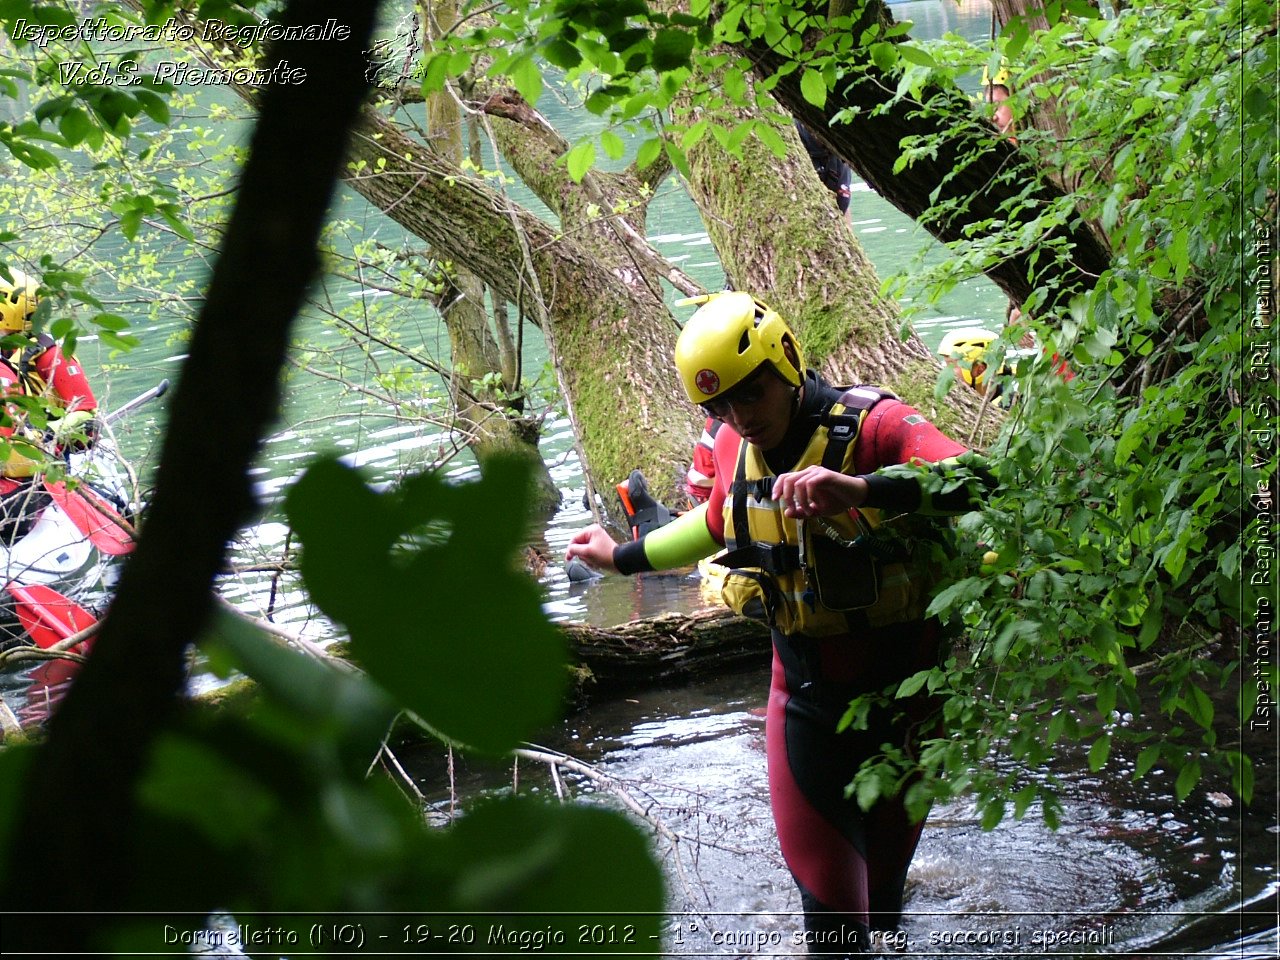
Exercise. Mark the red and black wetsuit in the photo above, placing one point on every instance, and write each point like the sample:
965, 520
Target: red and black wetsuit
45, 368
850, 866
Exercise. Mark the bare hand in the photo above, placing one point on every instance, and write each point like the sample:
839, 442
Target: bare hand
816, 491
594, 546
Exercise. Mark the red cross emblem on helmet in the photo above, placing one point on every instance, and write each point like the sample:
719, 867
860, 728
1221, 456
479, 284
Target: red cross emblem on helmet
708, 381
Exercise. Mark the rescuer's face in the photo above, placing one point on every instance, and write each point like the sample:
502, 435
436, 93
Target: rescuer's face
758, 409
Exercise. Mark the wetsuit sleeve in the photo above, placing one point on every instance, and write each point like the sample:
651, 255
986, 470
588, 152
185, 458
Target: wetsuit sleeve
67, 379
683, 541
895, 434
906, 494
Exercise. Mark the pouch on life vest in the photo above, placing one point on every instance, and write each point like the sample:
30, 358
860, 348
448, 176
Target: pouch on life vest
811, 578
17, 465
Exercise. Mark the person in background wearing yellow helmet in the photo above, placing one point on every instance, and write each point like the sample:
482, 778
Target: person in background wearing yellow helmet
35, 365
995, 91
839, 559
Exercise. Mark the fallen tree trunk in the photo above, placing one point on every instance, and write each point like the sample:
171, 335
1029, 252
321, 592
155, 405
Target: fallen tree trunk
668, 648
604, 661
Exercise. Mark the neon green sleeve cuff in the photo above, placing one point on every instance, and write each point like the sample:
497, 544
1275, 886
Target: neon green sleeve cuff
683, 541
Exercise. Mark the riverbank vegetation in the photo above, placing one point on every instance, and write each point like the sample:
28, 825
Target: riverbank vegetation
1131, 221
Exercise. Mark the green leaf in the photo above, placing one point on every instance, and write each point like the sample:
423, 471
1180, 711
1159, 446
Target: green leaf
1188, 777
527, 857
1199, 706
110, 321
35, 157
1242, 776
335, 704
671, 49
677, 158
959, 593
580, 159
1146, 760
992, 814
434, 73
425, 580
153, 105
1106, 697
561, 53
170, 213
1022, 800
117, 342
912, 684
868, 791
813, 88
614, 146
913, 54
74, 125
884, 55
694, 134
527, 78
771, 139
1247, 700
648, 152
130, 221
196, 786
1178, 255
1099, 752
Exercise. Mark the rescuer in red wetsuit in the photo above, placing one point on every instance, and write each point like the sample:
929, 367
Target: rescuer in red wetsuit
701, 476
838, 559
35, 366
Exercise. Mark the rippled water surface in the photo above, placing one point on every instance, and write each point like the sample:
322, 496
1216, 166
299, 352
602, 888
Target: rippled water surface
1128, 871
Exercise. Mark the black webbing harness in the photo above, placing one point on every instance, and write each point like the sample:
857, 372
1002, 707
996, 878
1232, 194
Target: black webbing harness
842, 431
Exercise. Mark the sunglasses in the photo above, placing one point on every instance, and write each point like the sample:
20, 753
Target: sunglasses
747, 393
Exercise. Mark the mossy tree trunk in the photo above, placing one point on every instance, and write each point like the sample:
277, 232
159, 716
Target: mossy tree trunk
610, 334
600, 309
781, 236
485, 384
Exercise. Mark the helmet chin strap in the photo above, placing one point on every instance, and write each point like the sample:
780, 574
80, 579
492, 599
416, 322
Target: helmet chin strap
796, 399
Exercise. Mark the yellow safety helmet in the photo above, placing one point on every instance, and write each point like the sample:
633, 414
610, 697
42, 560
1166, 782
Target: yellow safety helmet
18, 301
727, 339
965, 348
1001, 79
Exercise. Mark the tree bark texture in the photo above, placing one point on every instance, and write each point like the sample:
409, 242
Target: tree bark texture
491, 424
670, 648
781, 236
610, 337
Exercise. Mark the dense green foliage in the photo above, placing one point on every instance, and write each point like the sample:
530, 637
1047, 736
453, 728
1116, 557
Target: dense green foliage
1126, 486
1120, 578
270, 805
1123, 582
118, 193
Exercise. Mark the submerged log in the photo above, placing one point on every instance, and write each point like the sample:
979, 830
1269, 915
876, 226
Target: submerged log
667, 648
604, 661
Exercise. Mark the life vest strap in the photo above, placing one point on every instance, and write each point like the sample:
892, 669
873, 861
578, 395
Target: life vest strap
775, 558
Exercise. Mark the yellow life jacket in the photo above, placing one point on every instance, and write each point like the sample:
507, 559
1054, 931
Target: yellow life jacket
828, 575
